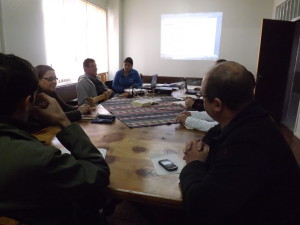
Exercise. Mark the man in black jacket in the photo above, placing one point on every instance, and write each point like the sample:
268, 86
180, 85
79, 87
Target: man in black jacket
243, 171
39, 184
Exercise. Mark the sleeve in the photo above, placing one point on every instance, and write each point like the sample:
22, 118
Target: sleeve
71, 111
74, 115
203, 115
84, 171
116, 83
65, 107
211, 194
137, 81
199, 124
103, 86
82, 89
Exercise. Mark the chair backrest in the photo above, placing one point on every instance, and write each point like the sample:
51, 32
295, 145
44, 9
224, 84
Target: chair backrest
8, 221
102, 76
195, 81
91, 101
67, 92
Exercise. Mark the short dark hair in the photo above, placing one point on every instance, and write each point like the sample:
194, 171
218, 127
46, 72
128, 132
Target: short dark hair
230, 82
220, 61
87, 62
42, 69
128, 60
18, 80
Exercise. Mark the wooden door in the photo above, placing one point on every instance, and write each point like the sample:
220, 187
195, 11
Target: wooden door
292, 96
273, 65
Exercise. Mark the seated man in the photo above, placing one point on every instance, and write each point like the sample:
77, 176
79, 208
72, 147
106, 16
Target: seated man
243, 172
38, 184
197, 120
89, 84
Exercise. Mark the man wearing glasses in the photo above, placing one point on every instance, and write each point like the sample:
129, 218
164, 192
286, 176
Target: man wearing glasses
242, 172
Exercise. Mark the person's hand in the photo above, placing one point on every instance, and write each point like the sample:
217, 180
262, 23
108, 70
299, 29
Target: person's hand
124, 94
48, 111
84, 109
189, 102
187, 113
109, 92
196, 150
181, 118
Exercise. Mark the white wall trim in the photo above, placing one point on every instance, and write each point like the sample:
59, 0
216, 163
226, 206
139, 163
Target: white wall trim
276, 3
2, 43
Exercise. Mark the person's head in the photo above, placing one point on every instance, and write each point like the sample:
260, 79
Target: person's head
227, 85
47, 78
128, 63
90, 67
18, 84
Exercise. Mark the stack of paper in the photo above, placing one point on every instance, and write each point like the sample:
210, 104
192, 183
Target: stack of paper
145, 101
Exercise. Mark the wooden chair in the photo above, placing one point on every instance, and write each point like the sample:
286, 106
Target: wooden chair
102, 76
91, 101
8, 221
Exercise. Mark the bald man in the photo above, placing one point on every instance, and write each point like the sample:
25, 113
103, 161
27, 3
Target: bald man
242, 172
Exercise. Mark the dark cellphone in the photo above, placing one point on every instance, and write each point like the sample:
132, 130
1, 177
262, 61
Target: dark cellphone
102, 121
168, 164
106, 116
101, 118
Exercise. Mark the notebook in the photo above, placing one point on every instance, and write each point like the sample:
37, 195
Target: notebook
153, 83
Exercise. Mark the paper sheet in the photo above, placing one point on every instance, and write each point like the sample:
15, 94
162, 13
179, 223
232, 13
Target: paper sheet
101, 150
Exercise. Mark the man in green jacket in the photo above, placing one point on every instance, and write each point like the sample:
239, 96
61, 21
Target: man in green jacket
38, 184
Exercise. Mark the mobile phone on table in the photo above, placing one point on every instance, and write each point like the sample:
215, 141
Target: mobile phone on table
103, 118
168, 165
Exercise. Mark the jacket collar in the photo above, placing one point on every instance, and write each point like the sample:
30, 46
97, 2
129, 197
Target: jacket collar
251, 112
16, 128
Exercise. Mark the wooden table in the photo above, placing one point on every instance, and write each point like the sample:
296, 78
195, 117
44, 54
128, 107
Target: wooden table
133, 176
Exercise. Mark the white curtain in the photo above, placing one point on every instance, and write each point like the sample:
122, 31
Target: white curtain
74, 30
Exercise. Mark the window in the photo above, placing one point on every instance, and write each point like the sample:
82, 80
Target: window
74, 30
191, 36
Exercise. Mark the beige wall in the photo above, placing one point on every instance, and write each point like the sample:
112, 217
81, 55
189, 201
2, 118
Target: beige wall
114, 36
134, 27
240, 36
23, 32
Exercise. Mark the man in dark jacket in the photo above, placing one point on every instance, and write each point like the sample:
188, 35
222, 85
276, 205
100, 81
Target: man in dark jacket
38, 184
243, 171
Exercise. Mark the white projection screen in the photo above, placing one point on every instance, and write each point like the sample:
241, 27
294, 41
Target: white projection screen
191, 36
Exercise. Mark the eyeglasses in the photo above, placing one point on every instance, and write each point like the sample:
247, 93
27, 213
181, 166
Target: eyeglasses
199, 94
51, 79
